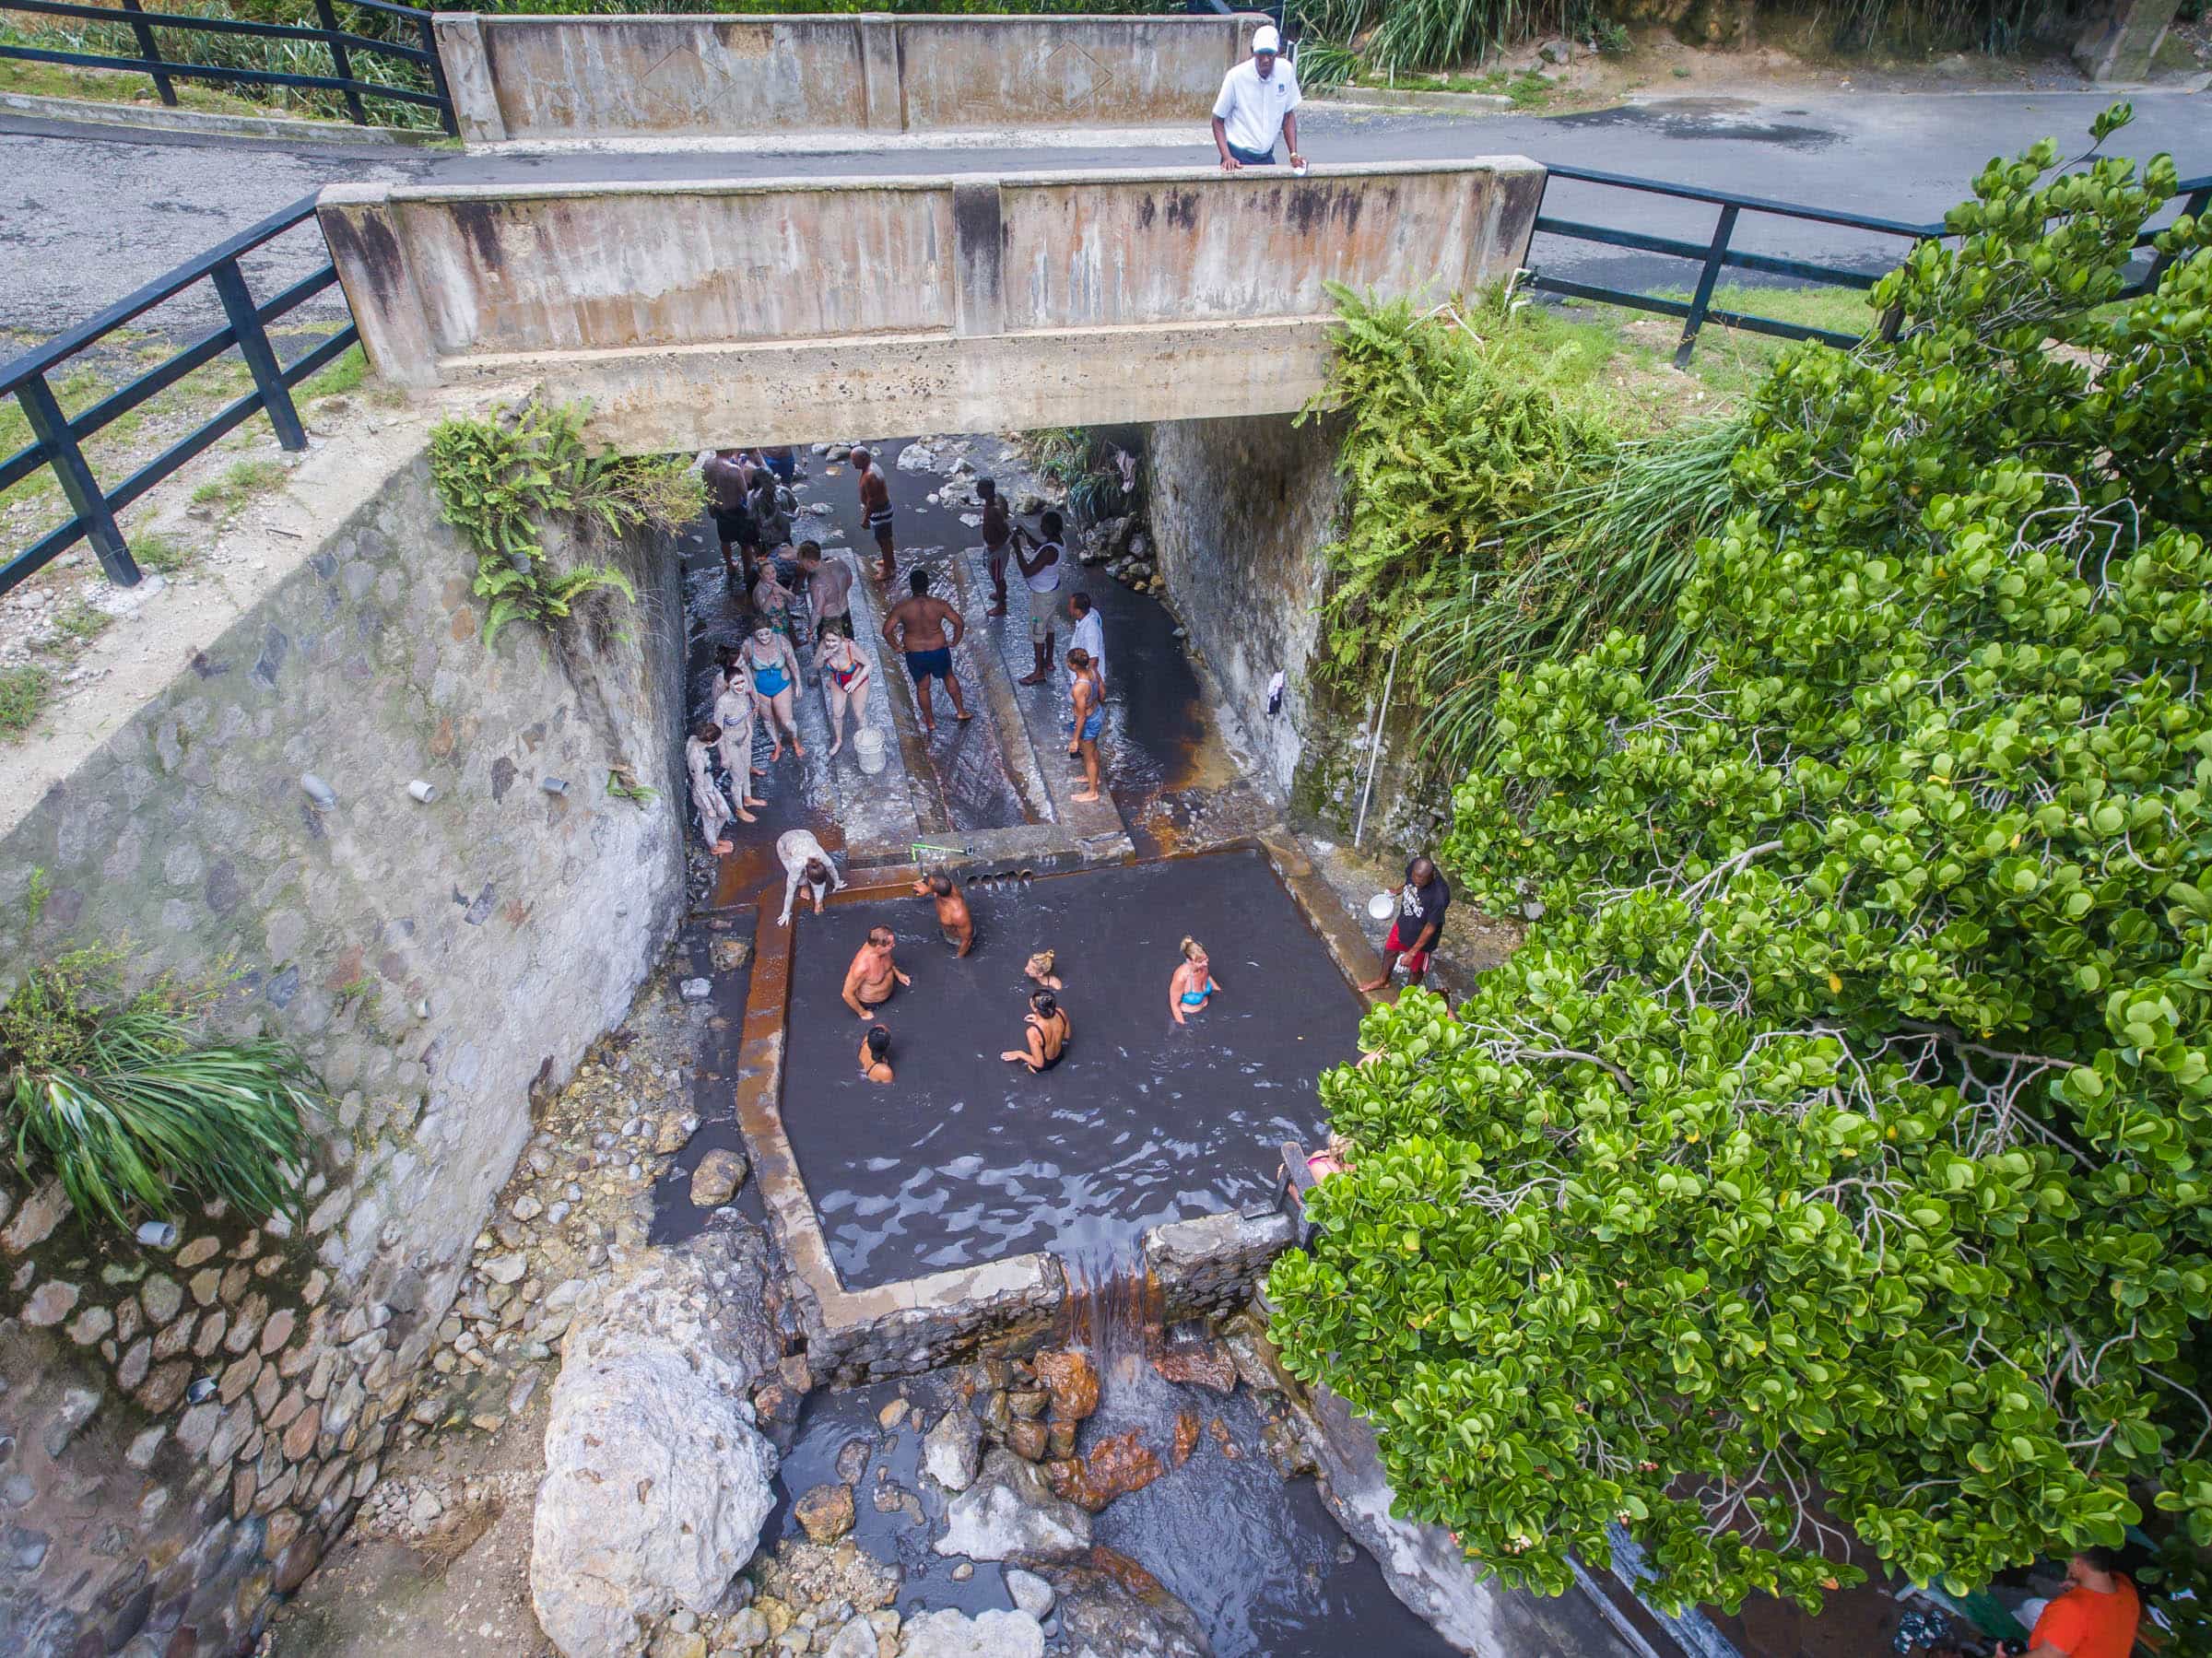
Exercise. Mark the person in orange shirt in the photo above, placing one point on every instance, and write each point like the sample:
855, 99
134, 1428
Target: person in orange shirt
2096, 1617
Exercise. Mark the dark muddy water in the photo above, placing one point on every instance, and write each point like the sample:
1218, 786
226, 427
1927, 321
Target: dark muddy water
1258, 1559
966, 1158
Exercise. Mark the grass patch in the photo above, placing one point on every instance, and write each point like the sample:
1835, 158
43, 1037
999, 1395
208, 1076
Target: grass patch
164, 555
23, 693
115, 86
81, 621
1529, 90
343, 376
240, 483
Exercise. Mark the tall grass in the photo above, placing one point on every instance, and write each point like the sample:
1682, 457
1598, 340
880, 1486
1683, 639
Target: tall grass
119, 1098
1610, 552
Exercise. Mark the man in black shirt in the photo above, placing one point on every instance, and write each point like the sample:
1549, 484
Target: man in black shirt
1421, 922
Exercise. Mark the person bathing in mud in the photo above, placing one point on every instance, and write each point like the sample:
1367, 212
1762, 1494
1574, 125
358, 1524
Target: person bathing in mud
806, 863
873, 975
1046, 1031
1192, 984
708, 801
928, 629
876, 1054
953, 918
736, 712
773, 667
876, 503
1039, 967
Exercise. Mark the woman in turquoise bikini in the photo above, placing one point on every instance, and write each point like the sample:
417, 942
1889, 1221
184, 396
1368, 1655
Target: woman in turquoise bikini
1192, 984
773, 666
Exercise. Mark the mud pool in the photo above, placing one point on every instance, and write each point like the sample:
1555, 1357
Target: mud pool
1257, 1559
967, 1158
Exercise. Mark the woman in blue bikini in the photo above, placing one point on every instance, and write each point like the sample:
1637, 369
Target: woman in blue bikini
1192, 984
773, 666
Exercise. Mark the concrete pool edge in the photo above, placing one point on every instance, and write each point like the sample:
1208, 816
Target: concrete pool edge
1205, 1264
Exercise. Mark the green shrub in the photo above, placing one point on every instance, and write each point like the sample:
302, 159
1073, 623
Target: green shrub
117, 1096
1821, 1182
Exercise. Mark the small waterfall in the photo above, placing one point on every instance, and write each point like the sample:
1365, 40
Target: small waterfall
1113, 1310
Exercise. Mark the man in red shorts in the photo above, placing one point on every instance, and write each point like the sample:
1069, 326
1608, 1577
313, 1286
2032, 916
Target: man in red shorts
1421, 922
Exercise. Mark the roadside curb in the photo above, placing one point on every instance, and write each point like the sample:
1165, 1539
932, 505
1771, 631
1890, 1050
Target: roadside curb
1413, 102
156, 118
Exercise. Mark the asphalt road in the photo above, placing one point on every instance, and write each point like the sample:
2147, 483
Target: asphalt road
87, 214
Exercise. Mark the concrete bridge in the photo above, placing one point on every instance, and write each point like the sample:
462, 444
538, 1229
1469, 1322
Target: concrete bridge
793, 310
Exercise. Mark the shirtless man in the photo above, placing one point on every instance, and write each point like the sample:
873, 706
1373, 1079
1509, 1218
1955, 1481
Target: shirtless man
999, 536
876, 503
869, 980
953, 918
829, 589
920, 626
1047, 1032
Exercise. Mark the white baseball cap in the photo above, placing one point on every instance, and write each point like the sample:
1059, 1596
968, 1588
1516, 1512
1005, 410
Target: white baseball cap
1265, 39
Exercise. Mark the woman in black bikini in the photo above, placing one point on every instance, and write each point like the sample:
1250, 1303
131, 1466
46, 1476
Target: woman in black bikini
1047, 1032
876, 1054
844, 683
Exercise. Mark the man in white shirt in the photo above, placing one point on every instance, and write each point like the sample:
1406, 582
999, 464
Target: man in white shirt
1255, 105
1090, 632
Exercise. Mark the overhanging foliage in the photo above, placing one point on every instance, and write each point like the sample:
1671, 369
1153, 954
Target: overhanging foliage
1832, 1160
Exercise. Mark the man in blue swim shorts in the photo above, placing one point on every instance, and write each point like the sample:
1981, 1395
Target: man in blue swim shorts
928, 629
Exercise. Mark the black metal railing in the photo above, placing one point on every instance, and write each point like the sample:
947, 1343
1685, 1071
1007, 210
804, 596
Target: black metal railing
1719, 254
58, 439
1716, 254
168, 67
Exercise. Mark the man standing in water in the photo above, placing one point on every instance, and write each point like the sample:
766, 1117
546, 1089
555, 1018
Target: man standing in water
1089, 636
953, 918
1087, 704
729, 504
928, 629
1421, 905
1042, 573
829, 589
876, 503
999, 533
869, 980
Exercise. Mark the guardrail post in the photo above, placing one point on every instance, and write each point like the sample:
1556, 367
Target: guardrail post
1710, 274
445, 93
150, 50
341, 61
260, 357
80, 488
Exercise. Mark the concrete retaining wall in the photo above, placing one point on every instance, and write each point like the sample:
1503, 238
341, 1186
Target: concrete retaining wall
794, 310
569, 79
432, 960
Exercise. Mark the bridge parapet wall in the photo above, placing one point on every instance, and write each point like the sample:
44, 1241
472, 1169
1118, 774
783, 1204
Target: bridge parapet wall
793, 310
580, 78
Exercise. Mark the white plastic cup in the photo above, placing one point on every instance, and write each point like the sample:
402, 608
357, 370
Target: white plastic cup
423, 792
1382, 905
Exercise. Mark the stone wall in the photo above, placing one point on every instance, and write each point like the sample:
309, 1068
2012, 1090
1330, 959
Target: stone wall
1211, 1265
1241, 510
570, 78
183, 1429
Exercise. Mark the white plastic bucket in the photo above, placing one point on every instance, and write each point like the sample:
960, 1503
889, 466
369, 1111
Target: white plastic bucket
867, 748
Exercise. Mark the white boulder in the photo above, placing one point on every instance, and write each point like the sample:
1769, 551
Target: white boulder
987, 1635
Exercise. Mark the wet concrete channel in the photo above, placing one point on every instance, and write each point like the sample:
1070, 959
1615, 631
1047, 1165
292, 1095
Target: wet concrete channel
967, 1157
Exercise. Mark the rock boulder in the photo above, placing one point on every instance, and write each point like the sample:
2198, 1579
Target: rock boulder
1108, 1607
987, 1635
952, 1450
656, 1482
1009, 1510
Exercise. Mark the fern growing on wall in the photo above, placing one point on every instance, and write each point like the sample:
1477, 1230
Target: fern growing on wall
499, 480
